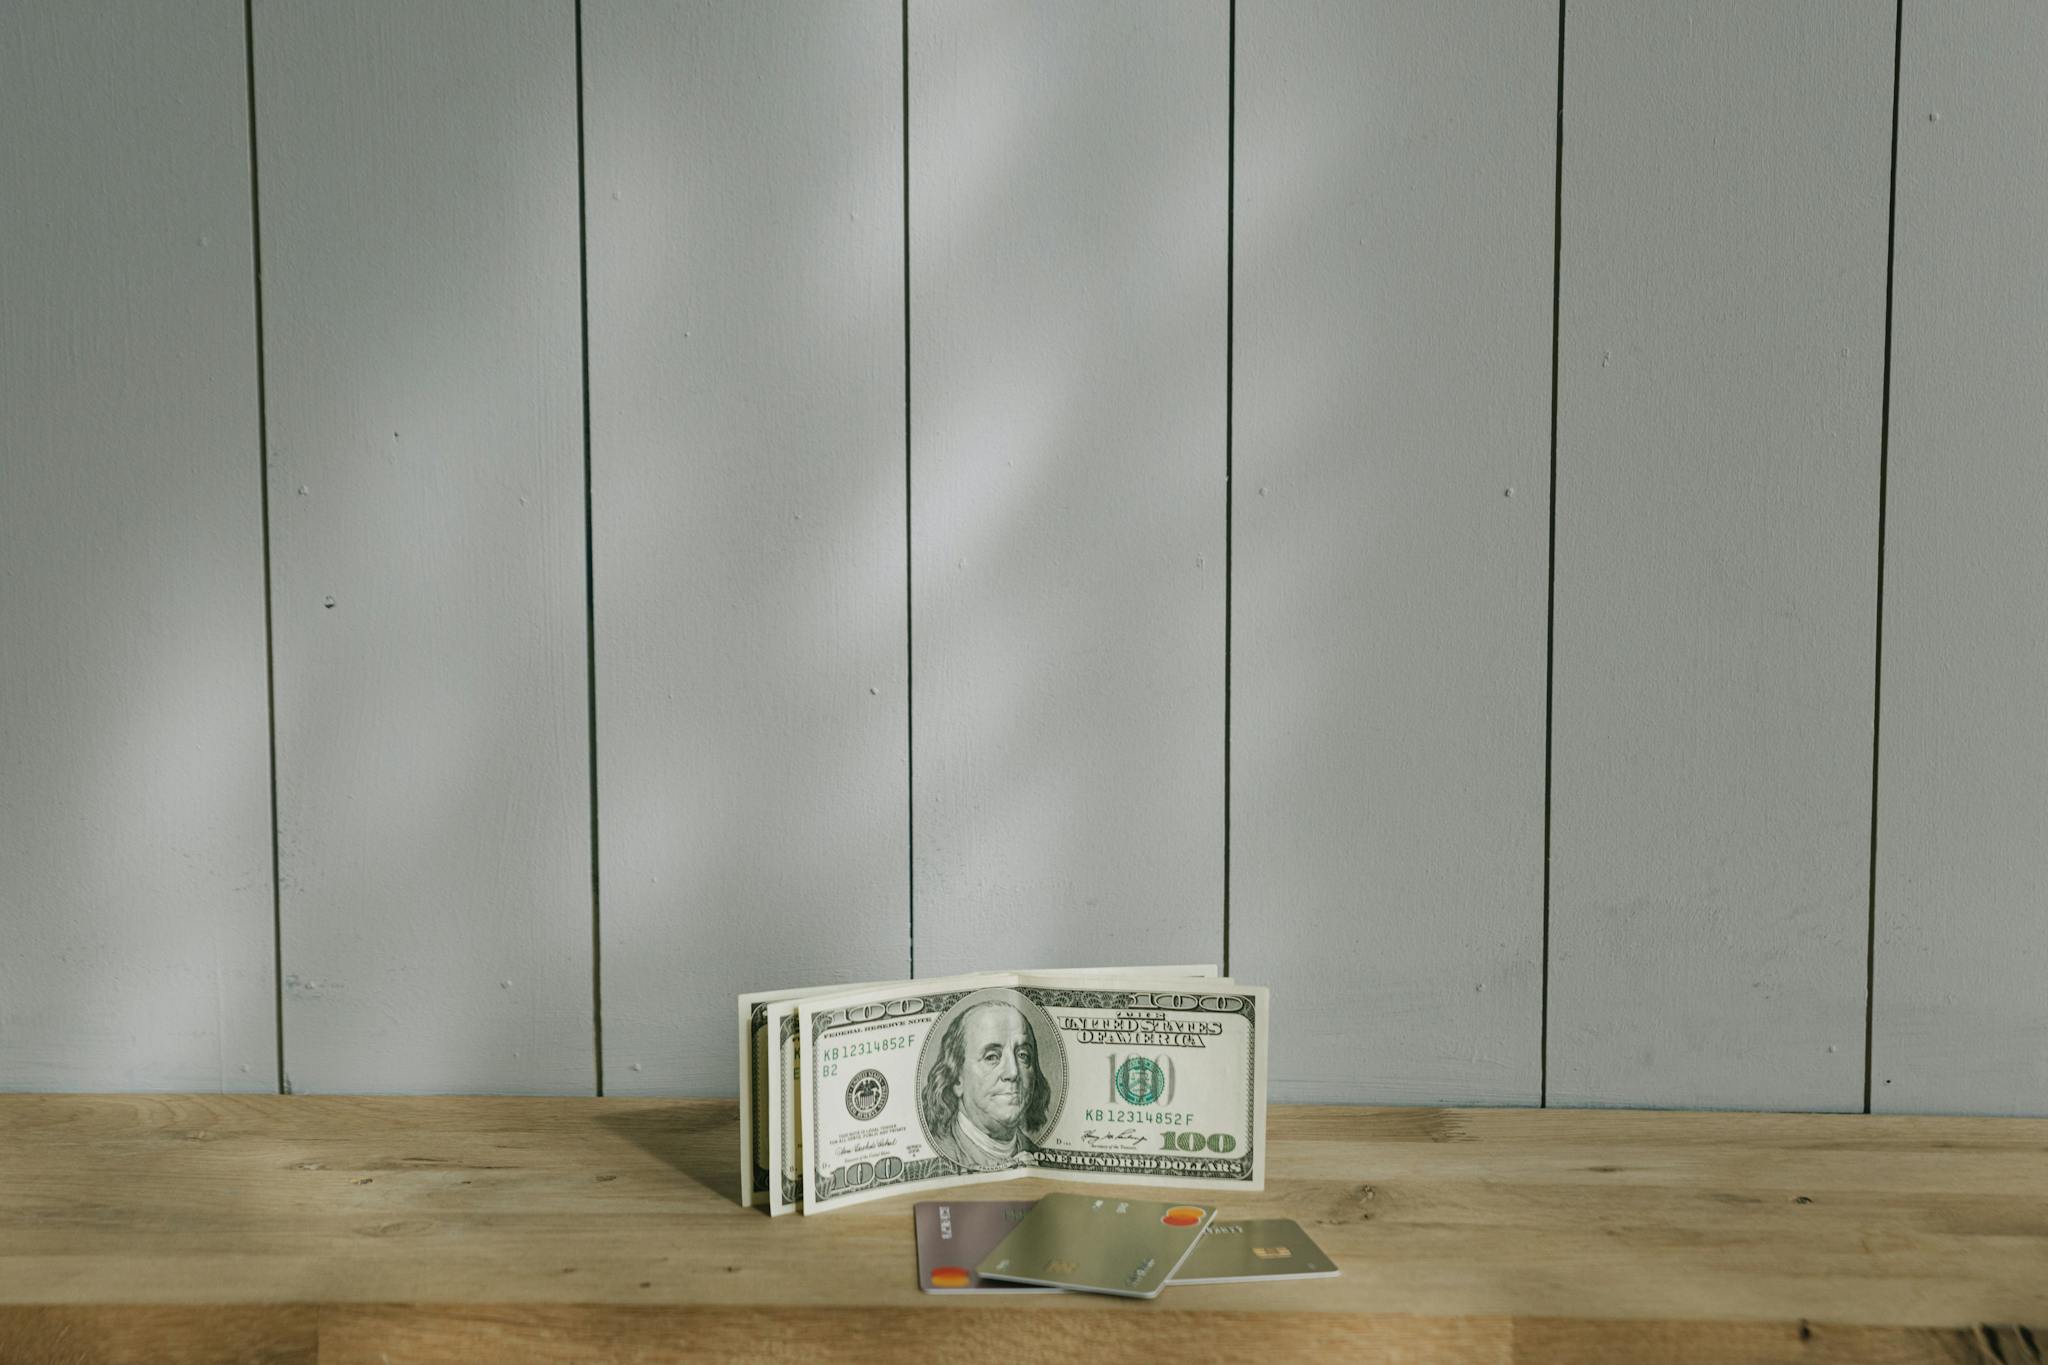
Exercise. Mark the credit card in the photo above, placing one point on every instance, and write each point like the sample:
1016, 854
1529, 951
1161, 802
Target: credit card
952, 1237
1254, 1249
1129, 1247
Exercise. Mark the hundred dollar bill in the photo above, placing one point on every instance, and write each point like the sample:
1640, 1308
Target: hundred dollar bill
757, 1050
771, 1078
1109, 1077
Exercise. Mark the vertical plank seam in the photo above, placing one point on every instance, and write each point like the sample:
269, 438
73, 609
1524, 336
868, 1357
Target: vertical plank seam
1550, 606
589, 570
1229, 455
263, 494
909, 605
1884, 437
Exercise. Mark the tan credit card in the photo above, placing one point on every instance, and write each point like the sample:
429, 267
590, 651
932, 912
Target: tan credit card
952, 1237
1104, 1246
1254, 1249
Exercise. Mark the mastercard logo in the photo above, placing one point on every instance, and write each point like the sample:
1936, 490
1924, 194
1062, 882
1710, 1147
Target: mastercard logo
1181, 1216
950, 1277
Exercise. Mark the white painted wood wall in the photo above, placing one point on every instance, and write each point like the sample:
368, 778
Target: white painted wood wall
1523, 526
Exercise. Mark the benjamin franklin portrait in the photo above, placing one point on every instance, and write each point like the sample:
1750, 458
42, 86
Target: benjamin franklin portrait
985, 1094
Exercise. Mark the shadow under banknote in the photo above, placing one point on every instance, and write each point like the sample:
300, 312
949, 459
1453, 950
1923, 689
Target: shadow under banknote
696, 1140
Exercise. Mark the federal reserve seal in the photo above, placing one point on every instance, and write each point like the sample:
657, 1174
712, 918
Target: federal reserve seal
1139, 1080
866, 1094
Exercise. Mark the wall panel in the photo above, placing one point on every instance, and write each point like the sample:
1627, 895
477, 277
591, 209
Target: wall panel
1068, 188
422, 336
1962, 878
1001, 543
1395, 193
135, 881
745, 171
1726, 176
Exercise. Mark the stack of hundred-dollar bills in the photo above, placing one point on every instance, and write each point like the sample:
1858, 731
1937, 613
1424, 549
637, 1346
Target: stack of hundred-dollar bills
1152, 1075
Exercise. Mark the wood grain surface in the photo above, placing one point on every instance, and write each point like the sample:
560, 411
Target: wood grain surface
505, 1228
431, 1334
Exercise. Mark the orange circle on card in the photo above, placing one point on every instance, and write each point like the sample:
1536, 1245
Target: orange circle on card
1181, 1216
949, 1277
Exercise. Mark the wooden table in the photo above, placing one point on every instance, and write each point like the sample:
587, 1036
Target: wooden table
218, 1227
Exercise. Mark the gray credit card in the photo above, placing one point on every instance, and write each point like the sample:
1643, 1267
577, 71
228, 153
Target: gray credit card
1129, 1247
1254, 1249
952, 1237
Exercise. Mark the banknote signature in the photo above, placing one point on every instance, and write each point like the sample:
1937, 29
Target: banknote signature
1128, 1140
877, 1142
